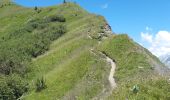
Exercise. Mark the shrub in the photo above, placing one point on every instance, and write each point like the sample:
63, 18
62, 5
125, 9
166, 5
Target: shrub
57, 31
17, 47
12, 61
39, 10
17, 85
34, 24
135, 89
56, 18
40, 84
1, 6
40, 44
12, 87
5, 91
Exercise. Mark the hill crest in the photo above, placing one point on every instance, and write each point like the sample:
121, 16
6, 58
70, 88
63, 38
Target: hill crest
71, 62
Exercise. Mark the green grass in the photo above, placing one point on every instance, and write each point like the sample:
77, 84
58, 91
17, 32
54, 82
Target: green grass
127, 56
70, 57
58, 79
151, 87
134, 67
72, 71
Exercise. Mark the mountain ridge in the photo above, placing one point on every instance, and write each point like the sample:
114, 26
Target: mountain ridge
69, 67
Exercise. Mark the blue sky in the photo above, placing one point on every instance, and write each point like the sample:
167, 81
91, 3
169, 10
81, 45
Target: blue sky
142, 20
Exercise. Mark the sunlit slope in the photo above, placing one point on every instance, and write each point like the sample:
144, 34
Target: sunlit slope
74, 68
69, 62
136, 66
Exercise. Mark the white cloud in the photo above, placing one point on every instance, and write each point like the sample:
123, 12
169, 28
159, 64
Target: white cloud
146, 37
159, 44
105, 6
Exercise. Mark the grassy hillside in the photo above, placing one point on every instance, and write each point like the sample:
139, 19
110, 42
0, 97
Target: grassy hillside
62, 44
135, 66
130, 56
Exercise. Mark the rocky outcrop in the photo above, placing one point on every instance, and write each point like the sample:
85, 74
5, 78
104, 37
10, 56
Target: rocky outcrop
108, 29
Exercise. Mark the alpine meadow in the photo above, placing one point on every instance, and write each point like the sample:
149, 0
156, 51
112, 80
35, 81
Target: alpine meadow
63, 52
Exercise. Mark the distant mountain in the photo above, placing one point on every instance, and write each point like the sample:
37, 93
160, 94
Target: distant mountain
166, 60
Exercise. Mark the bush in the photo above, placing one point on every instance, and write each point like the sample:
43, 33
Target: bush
39, 44
12, 60
57, 32
135, 89
1, 6
35, 24
18, 85
32, 40
18, 47
56, 18
39, 10
40, 84
12, 87
5, 91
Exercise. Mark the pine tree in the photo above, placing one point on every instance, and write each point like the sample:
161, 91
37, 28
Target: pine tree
64, 1
35, 8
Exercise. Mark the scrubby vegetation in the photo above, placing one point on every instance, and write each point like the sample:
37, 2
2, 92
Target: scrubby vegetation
32, 40
40, 84
4, 3
12, 87
17, 48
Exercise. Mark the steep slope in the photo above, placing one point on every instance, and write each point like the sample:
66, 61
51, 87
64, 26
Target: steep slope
136, 66
78, 64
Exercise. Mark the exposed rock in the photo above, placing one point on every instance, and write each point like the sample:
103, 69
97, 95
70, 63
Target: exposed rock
108, 29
